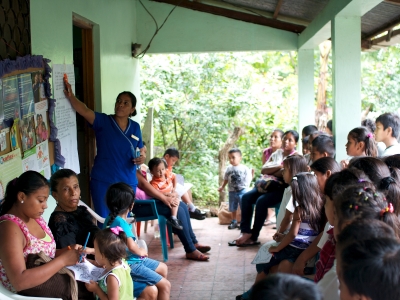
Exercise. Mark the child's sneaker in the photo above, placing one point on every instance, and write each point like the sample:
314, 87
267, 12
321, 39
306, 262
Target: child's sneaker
233, 225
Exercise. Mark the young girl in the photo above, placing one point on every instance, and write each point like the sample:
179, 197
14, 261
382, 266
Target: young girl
360, 142
109, 250
308, 222
145, 272
164, 181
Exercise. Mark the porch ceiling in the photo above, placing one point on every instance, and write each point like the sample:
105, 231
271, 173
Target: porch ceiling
296, 15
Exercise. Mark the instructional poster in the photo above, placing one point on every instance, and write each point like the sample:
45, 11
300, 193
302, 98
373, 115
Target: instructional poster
65, 117
11, 106
1, 101
41, 124
37, 159
38, 87
26, 95
10, 168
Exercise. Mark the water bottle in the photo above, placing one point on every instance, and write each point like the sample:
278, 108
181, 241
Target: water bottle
137, 156
156, 231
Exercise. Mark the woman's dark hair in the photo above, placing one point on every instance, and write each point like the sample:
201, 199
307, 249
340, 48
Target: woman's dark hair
362, 134
133, 100
60, 174
338, 182
285, 287
357, 202
111, 245
27, 183
325, 164
154, 162
379, 174
295, 164
281, 133
393, 163
305, 192
371, 268
294, 133
119, 198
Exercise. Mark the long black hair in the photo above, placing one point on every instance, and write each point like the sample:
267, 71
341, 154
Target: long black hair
119, 198
27, 183
305, 192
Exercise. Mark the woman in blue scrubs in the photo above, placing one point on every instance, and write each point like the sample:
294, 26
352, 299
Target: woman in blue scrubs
117, 138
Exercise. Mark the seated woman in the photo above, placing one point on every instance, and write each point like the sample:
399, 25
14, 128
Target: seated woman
70, 223
263, 201
23, 231
193, 249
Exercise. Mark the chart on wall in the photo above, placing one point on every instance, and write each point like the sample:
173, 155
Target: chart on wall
65, 117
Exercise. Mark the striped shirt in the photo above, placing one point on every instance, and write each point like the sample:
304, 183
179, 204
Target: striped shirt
304, 237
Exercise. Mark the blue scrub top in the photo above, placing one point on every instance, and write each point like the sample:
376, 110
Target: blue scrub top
113, 162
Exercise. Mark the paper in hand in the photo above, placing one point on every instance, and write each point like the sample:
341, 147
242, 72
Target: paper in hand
85, 271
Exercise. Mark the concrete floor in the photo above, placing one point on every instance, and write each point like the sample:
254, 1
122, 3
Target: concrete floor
228, 273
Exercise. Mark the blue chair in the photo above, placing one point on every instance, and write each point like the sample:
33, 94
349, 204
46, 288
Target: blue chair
162, 221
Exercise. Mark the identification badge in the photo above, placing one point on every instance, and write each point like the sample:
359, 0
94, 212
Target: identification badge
134, 137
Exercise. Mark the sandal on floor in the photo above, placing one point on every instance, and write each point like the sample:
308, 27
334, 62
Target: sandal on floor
249, 244
203, 249
233, 243
200, 257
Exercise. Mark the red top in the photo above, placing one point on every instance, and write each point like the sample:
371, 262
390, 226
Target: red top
326, 257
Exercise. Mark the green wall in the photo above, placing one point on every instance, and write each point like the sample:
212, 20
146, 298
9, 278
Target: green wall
191, 31
114, 30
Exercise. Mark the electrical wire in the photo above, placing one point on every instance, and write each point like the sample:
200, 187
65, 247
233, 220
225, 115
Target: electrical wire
143, 53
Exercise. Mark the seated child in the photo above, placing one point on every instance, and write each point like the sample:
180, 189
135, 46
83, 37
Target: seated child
109, 251
360, 142
285, 287
322, 146
387, 131
238, 178
171, 157
308, 222
163, 180
368, 269
145, 272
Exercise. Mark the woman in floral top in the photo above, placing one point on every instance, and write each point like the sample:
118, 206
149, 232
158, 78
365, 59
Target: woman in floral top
23, 231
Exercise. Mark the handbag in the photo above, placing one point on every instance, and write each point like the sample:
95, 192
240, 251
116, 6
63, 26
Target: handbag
60, 285
269, 183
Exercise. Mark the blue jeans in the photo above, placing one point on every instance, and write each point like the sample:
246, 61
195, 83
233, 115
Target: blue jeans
186, 235
235, 198
262, 202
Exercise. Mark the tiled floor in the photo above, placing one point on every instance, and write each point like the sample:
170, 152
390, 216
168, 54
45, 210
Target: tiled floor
228, 273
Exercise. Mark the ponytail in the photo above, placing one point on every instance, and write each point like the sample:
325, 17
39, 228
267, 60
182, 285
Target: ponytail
362, 134
388, 216
27, 183
119, 198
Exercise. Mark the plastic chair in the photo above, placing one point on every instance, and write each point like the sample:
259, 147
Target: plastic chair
162, 221
7, 295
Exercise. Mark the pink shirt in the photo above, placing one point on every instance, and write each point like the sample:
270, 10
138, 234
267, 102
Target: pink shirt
33, 245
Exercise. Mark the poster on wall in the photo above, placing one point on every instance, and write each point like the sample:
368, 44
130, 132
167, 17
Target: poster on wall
1, 102
14, 135
10, 168
37, 159
65, 117
27, 133
25, 95
11, 107
38, 87
42, 126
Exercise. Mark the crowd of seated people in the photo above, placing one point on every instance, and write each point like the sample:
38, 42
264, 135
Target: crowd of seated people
337, 237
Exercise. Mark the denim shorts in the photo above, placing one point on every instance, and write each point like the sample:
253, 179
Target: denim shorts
143, 274
235, 198
288, 253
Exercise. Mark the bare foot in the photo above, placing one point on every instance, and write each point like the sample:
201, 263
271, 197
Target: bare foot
244, 237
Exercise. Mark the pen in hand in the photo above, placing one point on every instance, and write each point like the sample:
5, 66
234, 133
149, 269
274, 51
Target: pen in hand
84, 247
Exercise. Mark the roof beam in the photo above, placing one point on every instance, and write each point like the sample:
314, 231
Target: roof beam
395, 2
320, 28
277, 9
235, 15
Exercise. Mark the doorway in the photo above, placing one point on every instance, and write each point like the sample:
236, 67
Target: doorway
84, 91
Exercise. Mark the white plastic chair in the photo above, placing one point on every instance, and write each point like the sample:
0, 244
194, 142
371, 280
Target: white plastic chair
7, 295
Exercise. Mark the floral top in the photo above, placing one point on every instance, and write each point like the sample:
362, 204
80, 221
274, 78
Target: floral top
33, 245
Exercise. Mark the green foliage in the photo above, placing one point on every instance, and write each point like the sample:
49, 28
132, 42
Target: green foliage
200, 98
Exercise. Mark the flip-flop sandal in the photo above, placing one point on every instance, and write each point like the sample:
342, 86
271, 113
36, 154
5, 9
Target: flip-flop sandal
268, 223
203, 249
200, 257
233, 243
249, 244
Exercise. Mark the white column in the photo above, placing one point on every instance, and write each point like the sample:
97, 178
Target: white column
346, 63
306, 95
